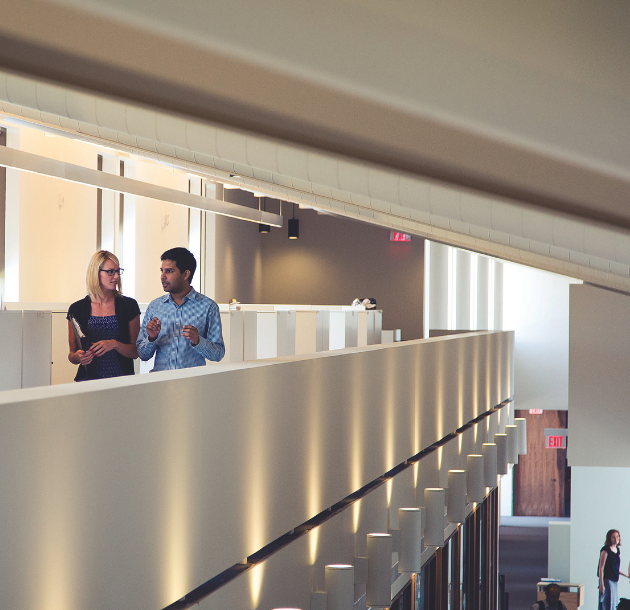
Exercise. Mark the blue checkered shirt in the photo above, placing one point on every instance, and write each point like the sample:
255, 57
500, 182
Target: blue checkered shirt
171, 349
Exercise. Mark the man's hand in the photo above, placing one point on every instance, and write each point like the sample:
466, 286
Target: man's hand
190, 332
153, 329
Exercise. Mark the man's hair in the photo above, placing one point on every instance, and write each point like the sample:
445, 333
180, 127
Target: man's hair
183, 259
552, 585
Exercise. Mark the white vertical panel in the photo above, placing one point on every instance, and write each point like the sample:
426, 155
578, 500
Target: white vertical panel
12, 235
129, 247
305, 332
378, 326
250, 335
370, 327
36, 348
194, 244
210, 244
286, 333
266, 334
537, 307
351, 328
62, 370
11, 352
427, 289
498, 295
462, 290
483, 279
226, 329
322, 324
438, 286
559, 551
108, 207
236, 336
362, 328
337, 330
194, 232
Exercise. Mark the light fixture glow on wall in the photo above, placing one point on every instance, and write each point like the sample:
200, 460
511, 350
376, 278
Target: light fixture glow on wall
456, 496
294, 226
411, 545
434, 501
489, 452
476, 489
378, 593
521, 424
339, 584
512, 443
501, 440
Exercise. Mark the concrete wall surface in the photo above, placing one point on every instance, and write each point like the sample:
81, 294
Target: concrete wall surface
599, 384
130, 492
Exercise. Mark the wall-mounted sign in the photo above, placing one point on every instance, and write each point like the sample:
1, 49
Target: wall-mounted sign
535, 411
397, 236
556, 442
556, 438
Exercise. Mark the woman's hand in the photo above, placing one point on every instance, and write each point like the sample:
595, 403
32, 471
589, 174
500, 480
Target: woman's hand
84, 357
100, 348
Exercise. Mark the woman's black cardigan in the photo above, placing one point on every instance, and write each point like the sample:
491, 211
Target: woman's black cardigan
126, 310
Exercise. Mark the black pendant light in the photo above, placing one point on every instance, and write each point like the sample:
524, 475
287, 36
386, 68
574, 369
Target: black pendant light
262, 228
294, 226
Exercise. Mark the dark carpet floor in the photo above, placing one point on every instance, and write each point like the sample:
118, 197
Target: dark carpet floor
523, 560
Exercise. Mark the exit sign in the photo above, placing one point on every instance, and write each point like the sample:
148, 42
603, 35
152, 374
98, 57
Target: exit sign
535, 411
397, 236
556, 442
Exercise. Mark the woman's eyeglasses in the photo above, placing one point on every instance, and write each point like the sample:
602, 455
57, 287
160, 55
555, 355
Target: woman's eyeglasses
112, 272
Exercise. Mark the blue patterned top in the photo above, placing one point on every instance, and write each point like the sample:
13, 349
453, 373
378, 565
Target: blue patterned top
171, 349
100, 329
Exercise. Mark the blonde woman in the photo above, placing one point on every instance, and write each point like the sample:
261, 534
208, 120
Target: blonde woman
109, 320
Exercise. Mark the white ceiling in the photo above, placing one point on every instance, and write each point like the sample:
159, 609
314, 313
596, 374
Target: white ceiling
530, 102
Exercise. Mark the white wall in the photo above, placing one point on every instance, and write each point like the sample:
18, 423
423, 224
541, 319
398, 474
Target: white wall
536, 307
129, 492
153, 235
599, 387
51, 224
599, 502
599, 379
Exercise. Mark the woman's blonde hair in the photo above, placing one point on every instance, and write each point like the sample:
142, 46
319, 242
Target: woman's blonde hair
92, 275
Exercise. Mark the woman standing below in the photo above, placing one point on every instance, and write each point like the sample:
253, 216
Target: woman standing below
109, 320
608, 572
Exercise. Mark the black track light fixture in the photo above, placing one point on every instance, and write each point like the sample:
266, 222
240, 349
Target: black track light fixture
262, 228
294, 226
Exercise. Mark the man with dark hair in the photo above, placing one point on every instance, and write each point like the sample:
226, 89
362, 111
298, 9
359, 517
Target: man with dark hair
183, 327
552, 599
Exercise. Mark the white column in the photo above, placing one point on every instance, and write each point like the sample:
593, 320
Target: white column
498, 294
483, 281
379, 582
438, 286
462, 290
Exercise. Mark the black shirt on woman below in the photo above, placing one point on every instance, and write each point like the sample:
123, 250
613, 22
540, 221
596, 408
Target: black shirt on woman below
126, 309
611, 567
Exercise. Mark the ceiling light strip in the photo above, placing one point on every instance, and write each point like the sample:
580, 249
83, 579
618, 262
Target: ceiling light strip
29, 162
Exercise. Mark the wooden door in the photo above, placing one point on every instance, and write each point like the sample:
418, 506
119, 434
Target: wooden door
540, 484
